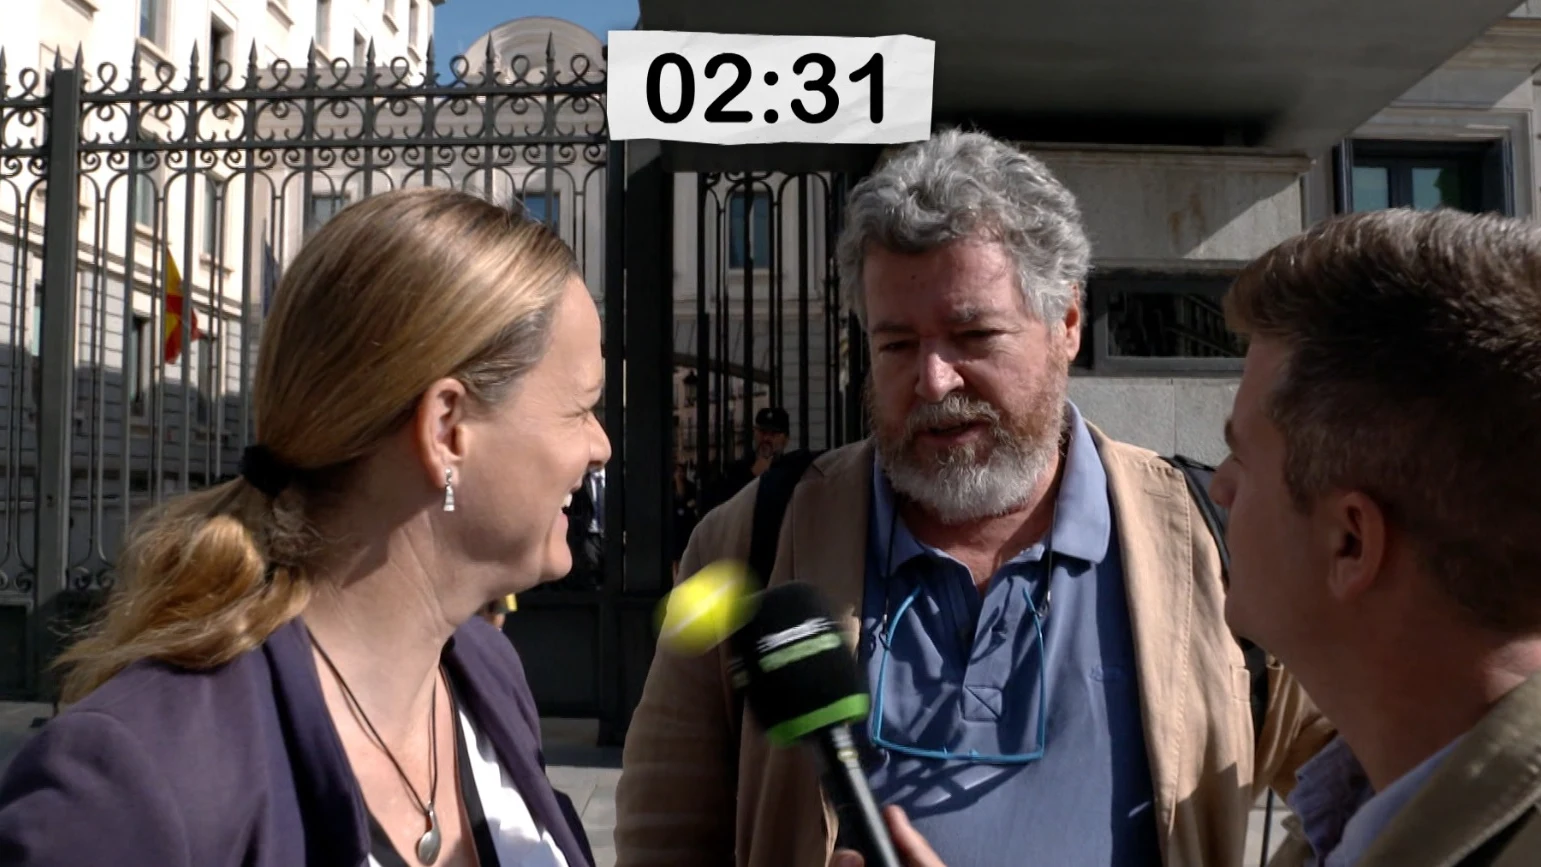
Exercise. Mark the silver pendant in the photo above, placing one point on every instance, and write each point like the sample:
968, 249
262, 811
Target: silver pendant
428, 844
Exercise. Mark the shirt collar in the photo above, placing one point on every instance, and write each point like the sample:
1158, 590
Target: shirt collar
1330, 788
1338, 807
1083, 519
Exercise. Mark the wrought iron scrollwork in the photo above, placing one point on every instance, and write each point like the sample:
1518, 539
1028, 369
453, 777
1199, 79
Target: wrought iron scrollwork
157, 141
327, 102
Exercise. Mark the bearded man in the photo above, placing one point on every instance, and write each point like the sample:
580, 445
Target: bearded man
1038, 608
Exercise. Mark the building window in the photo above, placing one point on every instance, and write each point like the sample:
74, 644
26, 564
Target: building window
35, 326
152, 21
144, 198
758, 246
212, 201
1157, 323
219, 53
143, 192
323, 206
203, 369
546, 208
137, 361
360, 49
1377, 174
324, 25
412, 14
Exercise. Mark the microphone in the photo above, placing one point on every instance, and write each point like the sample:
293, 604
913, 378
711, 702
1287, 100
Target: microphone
801, 683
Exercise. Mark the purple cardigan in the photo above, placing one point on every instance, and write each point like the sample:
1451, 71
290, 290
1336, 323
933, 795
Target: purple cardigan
240, 766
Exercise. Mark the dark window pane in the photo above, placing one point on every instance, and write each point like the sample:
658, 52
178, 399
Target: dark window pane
1433, 187
1429, 174
324, 24
219, 52
143, 201
759, 239
538, 207
1083, 358
1168, 325
735, 231
1372, 188
323, 208
210, 217
150, 19
205, 360
137, 364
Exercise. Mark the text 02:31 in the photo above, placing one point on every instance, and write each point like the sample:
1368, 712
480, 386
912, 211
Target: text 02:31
718, 111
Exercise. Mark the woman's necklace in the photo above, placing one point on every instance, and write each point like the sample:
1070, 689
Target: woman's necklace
428, 844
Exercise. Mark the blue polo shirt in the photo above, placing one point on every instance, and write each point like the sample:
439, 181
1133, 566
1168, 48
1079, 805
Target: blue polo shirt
963, 673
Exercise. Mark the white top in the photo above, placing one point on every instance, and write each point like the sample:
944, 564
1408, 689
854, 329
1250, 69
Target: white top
518, 840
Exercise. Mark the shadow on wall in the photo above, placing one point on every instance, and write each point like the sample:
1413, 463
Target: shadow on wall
1165, 207
1180, 415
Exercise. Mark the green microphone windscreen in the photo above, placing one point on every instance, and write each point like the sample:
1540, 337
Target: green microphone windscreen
794, 667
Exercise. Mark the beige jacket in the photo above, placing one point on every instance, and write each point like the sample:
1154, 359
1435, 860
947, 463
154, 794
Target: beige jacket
699, 787
1481, 807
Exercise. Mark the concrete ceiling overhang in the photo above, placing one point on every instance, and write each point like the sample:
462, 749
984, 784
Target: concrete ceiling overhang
1290, 74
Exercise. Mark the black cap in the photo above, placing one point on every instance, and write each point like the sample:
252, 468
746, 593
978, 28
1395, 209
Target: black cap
793, 666
773, 419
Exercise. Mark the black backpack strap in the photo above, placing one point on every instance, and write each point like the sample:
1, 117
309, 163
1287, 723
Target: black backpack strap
770, 507
1198, 476
777, 484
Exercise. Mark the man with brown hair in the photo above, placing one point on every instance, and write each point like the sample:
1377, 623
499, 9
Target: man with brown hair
1385, 528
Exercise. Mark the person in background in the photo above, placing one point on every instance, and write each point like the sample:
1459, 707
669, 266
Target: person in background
1036, 606
290, 671
772, 427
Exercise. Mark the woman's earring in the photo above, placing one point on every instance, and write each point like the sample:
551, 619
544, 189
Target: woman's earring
449, 490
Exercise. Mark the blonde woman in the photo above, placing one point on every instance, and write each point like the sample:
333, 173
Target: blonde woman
292, 671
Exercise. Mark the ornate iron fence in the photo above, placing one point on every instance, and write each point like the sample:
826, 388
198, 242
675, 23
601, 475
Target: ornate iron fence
765, 243
145, 215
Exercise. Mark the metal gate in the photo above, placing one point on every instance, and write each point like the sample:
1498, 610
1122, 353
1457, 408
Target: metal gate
145, 216
767, 327
732, 305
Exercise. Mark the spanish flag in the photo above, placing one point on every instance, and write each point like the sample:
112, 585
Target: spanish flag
176, 303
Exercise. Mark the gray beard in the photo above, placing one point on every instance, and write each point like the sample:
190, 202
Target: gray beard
962, 485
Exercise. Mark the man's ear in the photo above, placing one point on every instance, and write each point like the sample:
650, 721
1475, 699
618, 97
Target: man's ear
1356, 531
1072, 323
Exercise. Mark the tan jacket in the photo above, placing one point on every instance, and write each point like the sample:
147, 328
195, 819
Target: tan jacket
699, 789
1481, 807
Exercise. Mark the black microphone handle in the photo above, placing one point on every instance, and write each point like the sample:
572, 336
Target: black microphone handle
861, 824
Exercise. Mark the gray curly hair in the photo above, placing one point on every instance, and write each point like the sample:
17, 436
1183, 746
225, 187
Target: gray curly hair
961, 185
